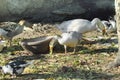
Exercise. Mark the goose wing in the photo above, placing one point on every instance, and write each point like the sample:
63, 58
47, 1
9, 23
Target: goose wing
78, 25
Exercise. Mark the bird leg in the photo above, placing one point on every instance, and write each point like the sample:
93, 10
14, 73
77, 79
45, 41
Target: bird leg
65, 47
1, 38
10, 42
74, 51
51, 49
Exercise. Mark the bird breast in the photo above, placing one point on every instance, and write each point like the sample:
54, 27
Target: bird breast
68, 40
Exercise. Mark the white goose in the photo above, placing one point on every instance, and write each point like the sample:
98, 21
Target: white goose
81, 25
69, 39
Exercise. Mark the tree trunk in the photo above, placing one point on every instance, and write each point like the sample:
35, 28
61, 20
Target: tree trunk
116, 62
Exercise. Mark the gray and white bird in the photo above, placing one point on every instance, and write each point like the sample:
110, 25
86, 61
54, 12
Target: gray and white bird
8, 30
15, 68
81, 25
68, 39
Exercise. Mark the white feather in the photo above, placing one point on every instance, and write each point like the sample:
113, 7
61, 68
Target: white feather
69, 39
81, 25
7, 69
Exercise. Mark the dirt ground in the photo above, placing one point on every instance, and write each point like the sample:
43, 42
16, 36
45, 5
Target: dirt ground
89, 63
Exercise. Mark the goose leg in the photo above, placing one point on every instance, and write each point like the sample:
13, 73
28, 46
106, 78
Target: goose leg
51, 49
65, 47
10, 42
74, 51
0, 38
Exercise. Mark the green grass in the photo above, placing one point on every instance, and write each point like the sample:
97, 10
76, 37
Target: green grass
60, 66
89, 63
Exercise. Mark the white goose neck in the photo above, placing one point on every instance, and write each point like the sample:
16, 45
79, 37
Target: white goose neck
95, 21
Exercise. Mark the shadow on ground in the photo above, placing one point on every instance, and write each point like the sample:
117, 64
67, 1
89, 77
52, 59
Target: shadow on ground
102, 41
12, 48
69, 73
32, 57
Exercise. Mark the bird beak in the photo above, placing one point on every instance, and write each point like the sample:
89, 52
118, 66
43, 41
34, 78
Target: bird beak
104, 32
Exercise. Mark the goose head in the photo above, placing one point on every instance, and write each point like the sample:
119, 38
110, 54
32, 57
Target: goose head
110, 25
57, 39
99, 25
21, 22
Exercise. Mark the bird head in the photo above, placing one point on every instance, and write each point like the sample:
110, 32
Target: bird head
27, 26
100, 26
53, 42
21, 22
